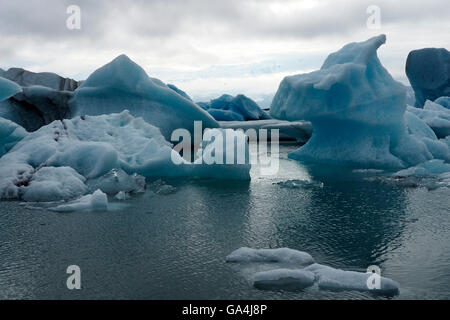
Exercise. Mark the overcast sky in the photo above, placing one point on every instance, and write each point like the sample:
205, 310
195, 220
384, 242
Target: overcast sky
209, 47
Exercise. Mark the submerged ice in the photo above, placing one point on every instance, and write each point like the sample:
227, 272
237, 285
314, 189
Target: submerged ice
357, 111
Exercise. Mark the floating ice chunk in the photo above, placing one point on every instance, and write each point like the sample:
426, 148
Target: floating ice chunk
239, 108
283, 255
429, 168
166, 189
356, 109
299, 131
10, 134
283, 279
98, 201
53, 184
8, 89
300, 184
428, 71
122, 84
332, 279
117, 181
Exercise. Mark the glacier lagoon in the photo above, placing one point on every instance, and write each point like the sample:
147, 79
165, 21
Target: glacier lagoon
174, 246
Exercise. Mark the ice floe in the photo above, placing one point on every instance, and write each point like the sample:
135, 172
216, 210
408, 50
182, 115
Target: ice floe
284, 255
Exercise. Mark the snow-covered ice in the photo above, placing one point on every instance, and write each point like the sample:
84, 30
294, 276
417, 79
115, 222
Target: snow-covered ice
357, 111
283, 279
122, 84
283, 255
53, 184
428, 71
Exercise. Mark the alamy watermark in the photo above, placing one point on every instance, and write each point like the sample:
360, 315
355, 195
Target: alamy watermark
74, 280
374, 280
73, 22
374, 20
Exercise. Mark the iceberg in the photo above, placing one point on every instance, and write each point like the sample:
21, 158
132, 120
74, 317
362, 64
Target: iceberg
179, 91
10, 134
117, 181
299, 131
283, 279
281, 255
122, 84
357, 111
434, 115
8, 89
239, 108
332, 279
428, 71
93, 146
36, 106
27, 78
308, 273
98, 201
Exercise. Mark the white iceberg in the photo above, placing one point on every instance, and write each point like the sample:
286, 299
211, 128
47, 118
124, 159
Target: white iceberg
98, 201
356, 109
93, 146
283, 279
332, 279
281, 255
122, 84
8, 89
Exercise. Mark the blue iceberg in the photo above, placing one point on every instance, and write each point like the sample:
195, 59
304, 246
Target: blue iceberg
357, 111
428, 71
123, 85
239, 108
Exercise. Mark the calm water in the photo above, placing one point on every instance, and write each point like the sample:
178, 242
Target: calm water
174, 246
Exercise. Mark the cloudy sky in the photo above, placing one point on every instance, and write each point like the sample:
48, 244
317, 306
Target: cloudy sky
209, 47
